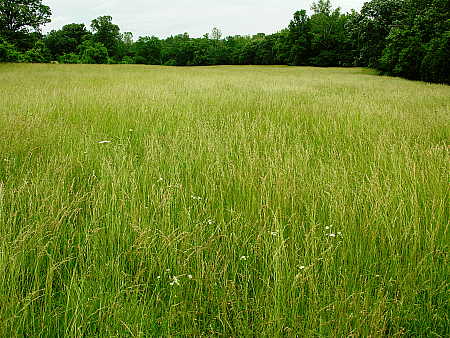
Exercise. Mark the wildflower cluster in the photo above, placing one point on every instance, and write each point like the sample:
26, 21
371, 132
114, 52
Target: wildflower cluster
330, 233
174, 280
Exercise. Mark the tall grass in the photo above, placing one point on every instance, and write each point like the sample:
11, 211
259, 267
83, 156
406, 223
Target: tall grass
232, 201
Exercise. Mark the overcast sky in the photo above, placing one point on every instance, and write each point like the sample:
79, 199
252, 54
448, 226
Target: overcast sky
165, 18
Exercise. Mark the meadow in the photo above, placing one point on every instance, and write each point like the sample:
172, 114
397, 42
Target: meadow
222, 201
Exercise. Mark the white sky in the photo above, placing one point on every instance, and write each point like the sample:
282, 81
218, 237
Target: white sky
165, 18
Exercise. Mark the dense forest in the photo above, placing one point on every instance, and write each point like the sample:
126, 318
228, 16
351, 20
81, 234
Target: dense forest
407, 38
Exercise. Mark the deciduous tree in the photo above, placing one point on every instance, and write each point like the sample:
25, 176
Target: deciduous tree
22, 16
67, 39
106, 33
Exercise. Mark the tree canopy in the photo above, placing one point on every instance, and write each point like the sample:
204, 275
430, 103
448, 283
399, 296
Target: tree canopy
21, 16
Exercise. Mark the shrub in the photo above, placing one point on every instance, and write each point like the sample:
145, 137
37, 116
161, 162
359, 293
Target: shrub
140, 60
38, 54
170, 62
127, 60
8, 52
70, 58
93, 52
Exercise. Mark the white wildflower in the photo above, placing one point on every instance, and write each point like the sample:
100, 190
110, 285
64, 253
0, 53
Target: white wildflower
244, 258
158, 277
174, 281
274, 233
103, 142
167, 270
210, 222
189, 276
332, 235
339, 233
302, 267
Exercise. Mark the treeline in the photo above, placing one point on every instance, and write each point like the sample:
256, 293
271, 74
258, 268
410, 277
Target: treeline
408, 38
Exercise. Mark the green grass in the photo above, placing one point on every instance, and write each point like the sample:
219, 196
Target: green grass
234, 176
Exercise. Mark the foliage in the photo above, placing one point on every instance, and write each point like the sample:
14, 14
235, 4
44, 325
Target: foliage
69, 58
417, 46
107, 33
8, 52
18, 17
127, 60
435, 65
66, 40
300, 39
93, 52
328, 36
373, 26
178, 50
282, 47
147, 50
38, 54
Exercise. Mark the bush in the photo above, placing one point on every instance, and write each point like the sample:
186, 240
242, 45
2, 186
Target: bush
70, 58
170, 62
93, 52
38, 54
127, 60
140, 60
8, 52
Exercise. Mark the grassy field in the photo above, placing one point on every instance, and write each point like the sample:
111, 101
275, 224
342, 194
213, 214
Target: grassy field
228, 201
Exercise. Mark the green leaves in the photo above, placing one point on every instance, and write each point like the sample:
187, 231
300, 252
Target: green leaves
22, 16
93, 52
106, 33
